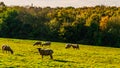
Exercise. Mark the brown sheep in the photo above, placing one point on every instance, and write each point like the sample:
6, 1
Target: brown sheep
7, 48
45, 52
37, 43
47, 43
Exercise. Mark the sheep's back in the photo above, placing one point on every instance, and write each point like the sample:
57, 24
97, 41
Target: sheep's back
75, 46
46, 52
5, 47
46, 43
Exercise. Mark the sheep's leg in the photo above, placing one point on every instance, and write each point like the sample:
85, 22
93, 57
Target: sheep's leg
42, 56
51, 56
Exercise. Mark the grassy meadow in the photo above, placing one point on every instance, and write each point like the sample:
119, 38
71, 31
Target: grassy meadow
26, 56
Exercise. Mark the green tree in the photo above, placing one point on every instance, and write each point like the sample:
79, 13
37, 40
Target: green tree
113, 29
10, 23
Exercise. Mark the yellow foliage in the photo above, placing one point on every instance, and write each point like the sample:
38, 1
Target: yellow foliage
103, 22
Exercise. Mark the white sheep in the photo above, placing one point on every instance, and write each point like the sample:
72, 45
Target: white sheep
74, 46
47, 43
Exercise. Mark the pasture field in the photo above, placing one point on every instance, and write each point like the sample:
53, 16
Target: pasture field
26, 56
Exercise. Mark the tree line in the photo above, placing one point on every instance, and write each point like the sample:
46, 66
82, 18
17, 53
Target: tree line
99, 25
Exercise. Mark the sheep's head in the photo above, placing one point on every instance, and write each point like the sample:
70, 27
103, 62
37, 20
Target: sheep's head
37, 43
11, 51
67, 46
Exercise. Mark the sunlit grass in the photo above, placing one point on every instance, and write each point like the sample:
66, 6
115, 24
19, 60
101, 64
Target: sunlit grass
26, 56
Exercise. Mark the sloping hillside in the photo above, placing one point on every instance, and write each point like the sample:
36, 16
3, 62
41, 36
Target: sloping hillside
26, 55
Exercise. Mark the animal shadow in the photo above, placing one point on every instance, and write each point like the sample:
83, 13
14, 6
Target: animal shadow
63, 61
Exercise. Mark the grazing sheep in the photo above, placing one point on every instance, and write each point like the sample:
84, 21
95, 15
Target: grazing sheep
45, 52
75, 46
7, 48
37, 43
47, 43
68, 45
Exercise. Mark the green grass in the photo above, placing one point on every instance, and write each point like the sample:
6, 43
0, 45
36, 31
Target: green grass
26, 56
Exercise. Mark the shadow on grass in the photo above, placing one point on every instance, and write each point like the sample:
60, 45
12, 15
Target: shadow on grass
63, 61
19, 55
